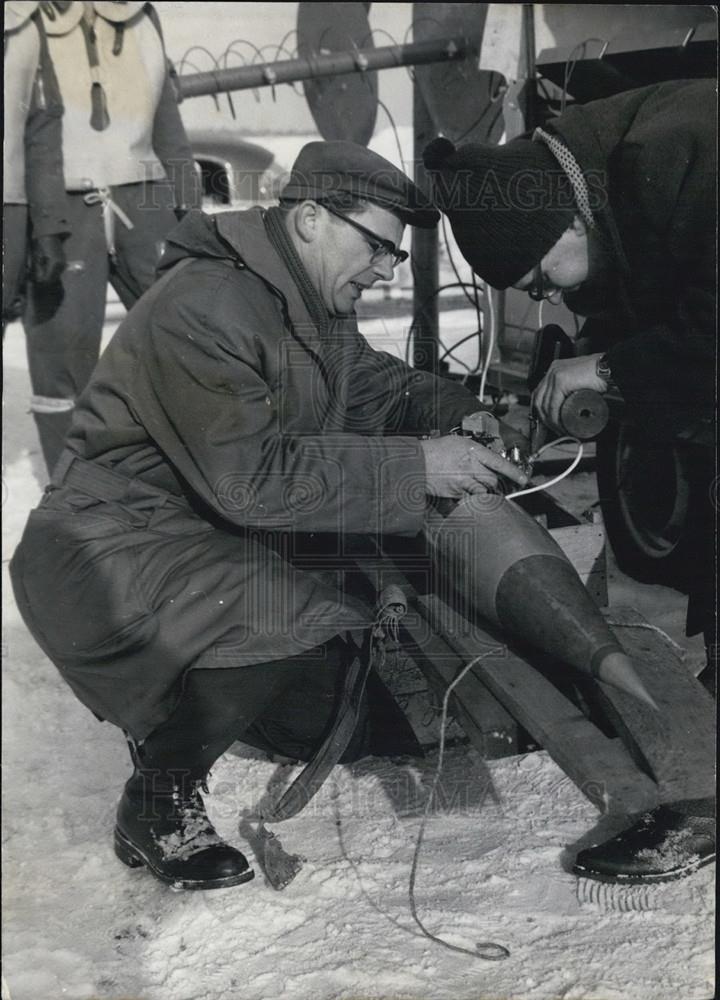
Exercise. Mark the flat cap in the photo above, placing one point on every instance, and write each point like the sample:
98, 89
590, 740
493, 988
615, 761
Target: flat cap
327, 169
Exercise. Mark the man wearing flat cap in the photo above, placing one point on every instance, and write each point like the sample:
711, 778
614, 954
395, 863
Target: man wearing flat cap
612, 207
236, 423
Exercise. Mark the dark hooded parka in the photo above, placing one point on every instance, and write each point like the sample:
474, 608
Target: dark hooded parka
650, 160
241, 418
649, 157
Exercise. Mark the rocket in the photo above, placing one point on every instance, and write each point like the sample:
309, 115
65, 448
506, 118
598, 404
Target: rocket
505, 567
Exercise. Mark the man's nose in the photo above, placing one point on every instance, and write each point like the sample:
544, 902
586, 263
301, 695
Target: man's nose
384, 267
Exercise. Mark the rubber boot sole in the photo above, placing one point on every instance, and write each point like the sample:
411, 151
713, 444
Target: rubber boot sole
133, 857
656, 878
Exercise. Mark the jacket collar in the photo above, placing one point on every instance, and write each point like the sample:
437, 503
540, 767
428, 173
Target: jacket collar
246, 235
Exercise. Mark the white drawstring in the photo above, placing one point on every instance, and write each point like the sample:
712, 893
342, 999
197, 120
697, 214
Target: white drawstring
110, 209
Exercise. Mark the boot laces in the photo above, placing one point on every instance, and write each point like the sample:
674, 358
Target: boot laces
193, 830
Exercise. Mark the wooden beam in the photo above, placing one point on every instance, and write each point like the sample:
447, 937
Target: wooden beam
676, 744
489, 726
601, 767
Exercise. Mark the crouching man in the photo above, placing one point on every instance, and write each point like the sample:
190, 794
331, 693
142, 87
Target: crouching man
237, 410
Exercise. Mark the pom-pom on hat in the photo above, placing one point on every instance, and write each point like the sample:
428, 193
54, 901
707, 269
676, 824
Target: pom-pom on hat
507, 205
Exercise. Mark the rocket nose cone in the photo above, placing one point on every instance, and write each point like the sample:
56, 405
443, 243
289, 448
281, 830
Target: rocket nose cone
616, 669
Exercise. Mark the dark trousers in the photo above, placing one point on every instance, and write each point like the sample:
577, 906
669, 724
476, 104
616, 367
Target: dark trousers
284, 707
15, 224
64, 322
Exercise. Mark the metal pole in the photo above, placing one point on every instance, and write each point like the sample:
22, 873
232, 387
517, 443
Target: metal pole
529, 69
333, 64
425, 259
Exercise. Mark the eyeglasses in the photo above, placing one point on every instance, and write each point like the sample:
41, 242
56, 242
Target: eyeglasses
378, 244
537, 288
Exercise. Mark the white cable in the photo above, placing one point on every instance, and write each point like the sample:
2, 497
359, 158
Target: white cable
544, 486
483, 949
541, 306
491, 342
553, 444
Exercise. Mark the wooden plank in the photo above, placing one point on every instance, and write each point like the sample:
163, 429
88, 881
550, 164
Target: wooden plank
677, 744
489, 726
600, 767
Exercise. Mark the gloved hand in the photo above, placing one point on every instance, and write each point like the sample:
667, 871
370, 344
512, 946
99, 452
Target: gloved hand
48, 259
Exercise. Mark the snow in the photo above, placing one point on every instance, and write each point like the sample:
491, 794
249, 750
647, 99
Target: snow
494, 863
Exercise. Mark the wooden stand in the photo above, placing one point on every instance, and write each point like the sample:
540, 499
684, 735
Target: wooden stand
639, 759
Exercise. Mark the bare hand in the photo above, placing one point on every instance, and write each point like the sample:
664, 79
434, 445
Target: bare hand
564, 377
513, 437
457, 465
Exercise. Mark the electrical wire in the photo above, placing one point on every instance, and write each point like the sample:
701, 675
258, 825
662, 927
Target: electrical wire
422, 307
463, 340
576, 53
370, 37
552, 482
453, 265
448, 353
541, 306
487, 950
477, 121
491, 341
480, 322
396, 132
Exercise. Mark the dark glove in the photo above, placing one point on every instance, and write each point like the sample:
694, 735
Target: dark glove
48, 260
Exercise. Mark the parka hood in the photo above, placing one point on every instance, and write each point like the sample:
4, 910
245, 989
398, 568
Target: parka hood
240, 237
195, 236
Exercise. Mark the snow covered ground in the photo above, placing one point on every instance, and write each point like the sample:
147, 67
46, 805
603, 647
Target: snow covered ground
493, 866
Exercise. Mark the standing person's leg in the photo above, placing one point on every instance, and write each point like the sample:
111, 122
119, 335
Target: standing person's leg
15, 224
149, 207
63, 326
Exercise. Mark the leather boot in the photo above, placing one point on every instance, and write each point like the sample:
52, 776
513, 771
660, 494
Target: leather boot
662, 845
162, 824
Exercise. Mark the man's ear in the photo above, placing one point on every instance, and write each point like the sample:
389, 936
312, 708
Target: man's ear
306, 221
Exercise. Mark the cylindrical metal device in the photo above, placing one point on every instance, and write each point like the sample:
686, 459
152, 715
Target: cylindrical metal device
500, 564
584, 414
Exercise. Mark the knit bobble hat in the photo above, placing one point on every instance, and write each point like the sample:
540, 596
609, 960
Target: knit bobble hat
507, 205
